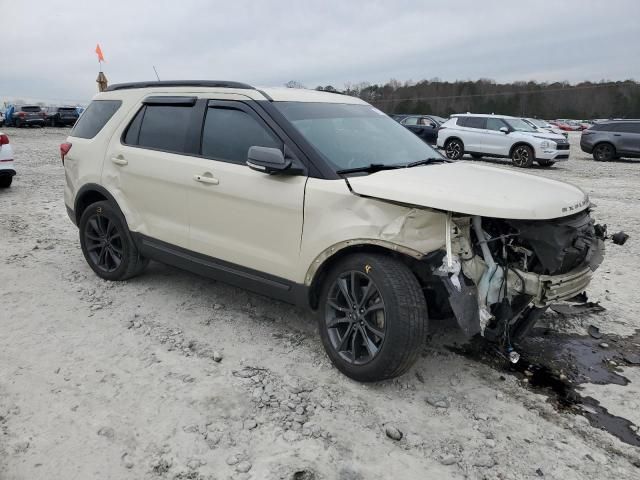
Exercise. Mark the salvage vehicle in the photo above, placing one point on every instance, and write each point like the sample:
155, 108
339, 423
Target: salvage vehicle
61, 116
26, 116
424, 126
323, 201
7, 170
501, 136
612, 139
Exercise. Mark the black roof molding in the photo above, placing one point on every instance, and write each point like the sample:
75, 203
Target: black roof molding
180, 83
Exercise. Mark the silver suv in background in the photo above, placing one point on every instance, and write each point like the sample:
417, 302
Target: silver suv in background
609, 140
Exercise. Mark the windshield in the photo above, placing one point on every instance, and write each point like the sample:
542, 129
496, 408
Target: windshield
352, 136
519, 125
537, 122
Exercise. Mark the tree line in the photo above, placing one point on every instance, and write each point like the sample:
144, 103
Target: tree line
585, 100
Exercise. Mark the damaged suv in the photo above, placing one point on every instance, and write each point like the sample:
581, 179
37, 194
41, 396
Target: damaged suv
323, 201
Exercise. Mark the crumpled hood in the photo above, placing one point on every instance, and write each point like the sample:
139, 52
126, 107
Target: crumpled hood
474, 189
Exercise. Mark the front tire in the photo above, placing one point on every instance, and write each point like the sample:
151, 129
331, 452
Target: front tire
454, 149
372, 317
604, 152
5, 181
107, 244
522, 156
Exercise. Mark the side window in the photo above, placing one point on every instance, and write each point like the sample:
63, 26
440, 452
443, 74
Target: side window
94, 118
495, 124
164, 127
133, 130
462, 121
229, 133
410, 121
476, 122
630, 127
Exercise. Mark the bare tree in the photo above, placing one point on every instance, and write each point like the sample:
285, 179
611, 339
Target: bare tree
294, 84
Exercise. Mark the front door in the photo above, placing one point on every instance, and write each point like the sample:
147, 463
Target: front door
238, 215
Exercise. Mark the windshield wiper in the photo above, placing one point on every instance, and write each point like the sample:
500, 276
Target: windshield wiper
425, 161
371, 168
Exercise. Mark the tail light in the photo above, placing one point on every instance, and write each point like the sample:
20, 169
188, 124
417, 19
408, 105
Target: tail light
64, 149
4, 140
22, 114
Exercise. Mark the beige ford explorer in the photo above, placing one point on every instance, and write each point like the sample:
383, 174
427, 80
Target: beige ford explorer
321, 200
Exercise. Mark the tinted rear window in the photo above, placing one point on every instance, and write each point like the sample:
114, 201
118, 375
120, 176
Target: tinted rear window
67, 110
165, 127
95, 117
471, 122
31, 109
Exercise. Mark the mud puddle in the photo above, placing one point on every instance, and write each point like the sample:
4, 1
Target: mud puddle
557, 364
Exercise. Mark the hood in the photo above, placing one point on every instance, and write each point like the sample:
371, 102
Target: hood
546, 134
474, 189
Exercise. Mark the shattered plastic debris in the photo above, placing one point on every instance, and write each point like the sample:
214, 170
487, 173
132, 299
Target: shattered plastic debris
569, 309
619, 238
594, 332
454, 270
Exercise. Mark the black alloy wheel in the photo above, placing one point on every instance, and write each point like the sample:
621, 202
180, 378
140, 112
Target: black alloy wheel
522, 156
603, 152
107, 244
454, 149
355, 317
103, 243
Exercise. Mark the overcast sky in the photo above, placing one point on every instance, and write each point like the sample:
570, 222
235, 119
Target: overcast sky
47, 52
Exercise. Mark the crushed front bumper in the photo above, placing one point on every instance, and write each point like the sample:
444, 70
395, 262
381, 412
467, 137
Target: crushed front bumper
547, 289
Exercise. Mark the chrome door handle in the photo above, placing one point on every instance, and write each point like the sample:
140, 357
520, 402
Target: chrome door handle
119, 160
206, 178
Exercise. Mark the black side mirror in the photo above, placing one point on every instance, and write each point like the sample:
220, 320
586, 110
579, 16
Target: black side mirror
267, 160
504, 130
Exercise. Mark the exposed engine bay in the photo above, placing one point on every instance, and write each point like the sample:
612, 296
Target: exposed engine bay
501, 274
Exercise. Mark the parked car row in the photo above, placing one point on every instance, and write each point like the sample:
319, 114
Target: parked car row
34, 115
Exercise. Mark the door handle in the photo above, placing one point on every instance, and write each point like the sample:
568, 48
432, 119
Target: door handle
119, 160
206, 178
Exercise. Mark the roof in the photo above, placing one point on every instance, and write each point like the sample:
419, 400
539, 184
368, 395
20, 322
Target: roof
481, 115
277, 94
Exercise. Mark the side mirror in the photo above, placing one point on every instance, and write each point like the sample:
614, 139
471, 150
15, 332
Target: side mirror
267, 160
504, 130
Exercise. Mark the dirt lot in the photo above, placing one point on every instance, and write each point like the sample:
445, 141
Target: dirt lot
118, 380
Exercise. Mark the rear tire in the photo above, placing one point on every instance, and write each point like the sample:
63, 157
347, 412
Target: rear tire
107, 244
522, 156
454, 149
546, 163
5, 181
604, 152
372, 317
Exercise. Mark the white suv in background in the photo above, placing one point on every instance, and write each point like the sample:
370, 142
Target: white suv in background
543, 126
501, 136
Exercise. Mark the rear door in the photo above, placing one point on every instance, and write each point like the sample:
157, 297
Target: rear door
628, 138
146, 166
237, 214
474, 133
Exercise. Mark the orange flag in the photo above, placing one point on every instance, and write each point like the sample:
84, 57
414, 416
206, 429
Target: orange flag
99, 53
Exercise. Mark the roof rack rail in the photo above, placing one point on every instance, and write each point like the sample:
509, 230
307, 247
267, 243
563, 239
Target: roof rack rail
179, 83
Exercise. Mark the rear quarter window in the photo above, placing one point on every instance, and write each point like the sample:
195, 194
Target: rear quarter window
95, 117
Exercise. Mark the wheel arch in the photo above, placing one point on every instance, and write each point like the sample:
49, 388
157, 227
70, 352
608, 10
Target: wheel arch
92, 193
519, 144
605, 142
417, 261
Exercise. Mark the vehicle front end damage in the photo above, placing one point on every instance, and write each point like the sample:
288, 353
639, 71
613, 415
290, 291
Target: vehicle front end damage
502, 274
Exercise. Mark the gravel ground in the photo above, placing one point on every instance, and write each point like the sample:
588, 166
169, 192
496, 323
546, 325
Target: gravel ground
171, 375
